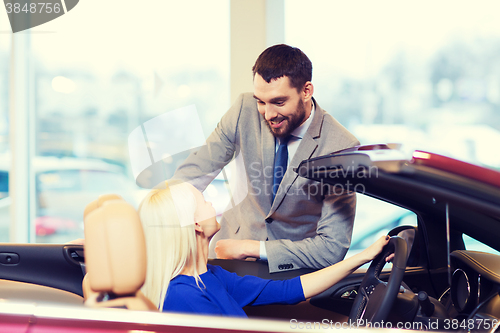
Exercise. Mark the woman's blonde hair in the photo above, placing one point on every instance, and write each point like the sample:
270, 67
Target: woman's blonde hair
167, 217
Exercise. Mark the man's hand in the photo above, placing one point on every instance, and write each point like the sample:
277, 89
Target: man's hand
237, 249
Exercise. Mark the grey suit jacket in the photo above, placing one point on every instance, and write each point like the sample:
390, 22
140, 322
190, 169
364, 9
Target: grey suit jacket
309, 224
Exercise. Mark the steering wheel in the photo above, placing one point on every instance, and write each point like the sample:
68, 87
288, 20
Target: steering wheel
376, 297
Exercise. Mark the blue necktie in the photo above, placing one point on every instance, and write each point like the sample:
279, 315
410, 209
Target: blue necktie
280, 164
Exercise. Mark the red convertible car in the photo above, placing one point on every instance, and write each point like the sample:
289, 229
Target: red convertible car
435, 281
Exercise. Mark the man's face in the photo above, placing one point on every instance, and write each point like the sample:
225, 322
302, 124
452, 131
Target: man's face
281, 105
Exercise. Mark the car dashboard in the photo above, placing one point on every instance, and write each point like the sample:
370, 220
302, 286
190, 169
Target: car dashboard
473, 300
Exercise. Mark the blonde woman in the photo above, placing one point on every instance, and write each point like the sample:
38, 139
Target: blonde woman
178, 225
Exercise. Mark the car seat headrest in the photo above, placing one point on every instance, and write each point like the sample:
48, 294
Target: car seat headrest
115, 249
99, 202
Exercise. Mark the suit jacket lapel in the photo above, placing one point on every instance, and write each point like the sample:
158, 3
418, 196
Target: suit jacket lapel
305, 150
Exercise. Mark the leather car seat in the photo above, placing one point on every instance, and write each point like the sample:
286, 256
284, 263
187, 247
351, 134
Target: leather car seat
115, 257
87, 291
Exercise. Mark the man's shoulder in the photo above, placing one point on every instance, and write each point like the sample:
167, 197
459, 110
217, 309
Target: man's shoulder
248, 95
246, 108
333, 131
247, 99
331, 123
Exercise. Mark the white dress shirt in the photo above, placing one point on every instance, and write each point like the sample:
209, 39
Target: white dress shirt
293, 144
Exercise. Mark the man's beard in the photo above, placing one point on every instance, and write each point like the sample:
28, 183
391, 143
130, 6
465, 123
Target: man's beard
290, 123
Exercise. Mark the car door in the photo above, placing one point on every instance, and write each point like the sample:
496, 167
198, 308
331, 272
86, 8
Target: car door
59, 267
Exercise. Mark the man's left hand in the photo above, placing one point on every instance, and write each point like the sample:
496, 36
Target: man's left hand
237, 249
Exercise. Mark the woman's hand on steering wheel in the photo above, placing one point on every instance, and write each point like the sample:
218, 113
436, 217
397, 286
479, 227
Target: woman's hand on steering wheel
373, 250
376, 297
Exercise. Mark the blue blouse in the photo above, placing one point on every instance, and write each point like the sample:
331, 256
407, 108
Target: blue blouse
225, 294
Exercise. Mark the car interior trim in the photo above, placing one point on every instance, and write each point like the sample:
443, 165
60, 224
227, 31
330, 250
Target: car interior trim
14, 290
486, 264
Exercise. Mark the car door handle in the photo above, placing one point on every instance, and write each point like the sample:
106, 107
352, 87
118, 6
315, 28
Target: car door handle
75, 255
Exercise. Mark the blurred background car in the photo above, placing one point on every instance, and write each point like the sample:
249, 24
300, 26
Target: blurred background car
64, 186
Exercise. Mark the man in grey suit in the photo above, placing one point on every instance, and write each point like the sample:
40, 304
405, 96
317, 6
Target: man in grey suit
294, 224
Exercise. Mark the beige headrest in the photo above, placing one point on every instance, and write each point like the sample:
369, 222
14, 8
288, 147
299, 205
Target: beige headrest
115, 249
99, 202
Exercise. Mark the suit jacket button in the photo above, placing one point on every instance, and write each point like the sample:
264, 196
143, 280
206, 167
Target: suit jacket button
280, 267
269, 220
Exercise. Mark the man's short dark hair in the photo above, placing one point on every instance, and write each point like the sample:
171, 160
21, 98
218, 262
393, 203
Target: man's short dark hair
283, 60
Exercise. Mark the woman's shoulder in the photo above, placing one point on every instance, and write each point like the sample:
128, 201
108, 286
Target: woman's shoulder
182, 285
217, 270
182, 281
220, 273
183, 295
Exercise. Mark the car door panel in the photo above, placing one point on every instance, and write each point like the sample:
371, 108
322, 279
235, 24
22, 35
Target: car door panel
56, 266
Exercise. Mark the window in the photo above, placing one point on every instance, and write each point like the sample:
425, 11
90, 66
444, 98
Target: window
423, 74
375, 218
473, 244
5, 42
94, 80
4, 184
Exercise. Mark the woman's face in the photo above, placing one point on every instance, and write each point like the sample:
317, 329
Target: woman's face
205, 214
